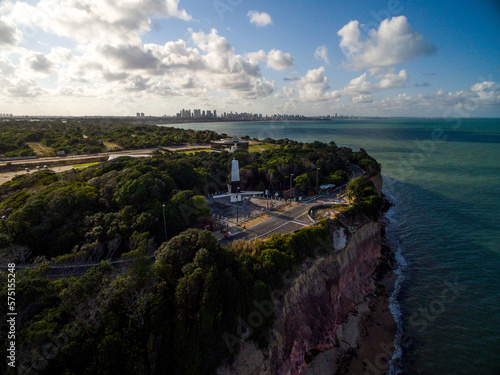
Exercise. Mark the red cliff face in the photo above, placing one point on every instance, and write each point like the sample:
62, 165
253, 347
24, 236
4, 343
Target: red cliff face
377, 181
316, 302
321, 298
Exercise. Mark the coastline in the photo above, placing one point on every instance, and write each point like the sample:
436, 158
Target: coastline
378, 328
366, 338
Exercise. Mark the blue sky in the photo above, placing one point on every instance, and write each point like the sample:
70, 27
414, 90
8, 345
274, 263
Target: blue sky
382, 58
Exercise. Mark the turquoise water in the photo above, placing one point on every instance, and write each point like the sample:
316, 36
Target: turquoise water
444, 177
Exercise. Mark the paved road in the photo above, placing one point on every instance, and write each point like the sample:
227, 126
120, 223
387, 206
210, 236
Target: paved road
62, 159
288, 221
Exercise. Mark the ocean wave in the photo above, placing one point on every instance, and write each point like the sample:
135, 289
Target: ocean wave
395, 307
394, 241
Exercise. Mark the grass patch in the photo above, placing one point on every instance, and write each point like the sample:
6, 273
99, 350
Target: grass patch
191, 152
41, 150
261, 147
110, 146
85, 165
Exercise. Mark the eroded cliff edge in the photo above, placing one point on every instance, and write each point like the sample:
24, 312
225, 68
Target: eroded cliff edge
312, 316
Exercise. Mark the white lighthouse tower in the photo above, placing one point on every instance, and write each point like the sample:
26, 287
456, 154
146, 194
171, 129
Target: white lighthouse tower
234, 187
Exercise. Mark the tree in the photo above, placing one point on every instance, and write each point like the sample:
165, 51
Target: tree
303, 182
337, 178
360, 188
181, 250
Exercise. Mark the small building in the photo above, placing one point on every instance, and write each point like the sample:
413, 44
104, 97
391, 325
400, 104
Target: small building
229, 144
327, 188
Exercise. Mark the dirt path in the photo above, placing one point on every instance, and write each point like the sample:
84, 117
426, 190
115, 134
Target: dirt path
7, 176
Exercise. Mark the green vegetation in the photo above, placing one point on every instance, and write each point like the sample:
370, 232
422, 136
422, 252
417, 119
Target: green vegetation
191, 152
361, 191
169, 315
84, 165
91, 214
261, 147
338, 178
178, 312
23, 138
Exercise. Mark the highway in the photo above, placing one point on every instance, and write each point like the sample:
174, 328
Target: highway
53, 160
288, 221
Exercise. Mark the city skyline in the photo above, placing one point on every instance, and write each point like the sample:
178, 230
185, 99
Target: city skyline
437, 59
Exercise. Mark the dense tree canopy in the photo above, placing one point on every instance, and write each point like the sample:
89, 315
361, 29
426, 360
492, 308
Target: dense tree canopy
82, 136
179, 314
181, 311
93, 214
362, 192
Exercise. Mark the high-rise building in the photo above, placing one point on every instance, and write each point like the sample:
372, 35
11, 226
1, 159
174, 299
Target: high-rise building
215, 113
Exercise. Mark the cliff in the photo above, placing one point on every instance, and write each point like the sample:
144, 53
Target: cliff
377, 181
313, 314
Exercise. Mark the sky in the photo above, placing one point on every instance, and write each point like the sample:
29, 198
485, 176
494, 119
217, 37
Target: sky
351, 57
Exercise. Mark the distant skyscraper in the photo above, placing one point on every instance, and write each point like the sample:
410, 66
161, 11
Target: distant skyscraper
215, 113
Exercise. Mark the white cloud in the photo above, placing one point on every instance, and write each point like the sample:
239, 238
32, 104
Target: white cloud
131, 57
288, 91
485, 87
362, 99
321, 53
93, 20
279, 60
259, 55
314, 86
358, 85
39, 63
7, 68
110, 67
488, 93
9, 33
259, 18
393, 43
481, 97
274, 59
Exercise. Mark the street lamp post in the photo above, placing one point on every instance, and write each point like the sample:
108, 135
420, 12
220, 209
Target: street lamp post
164, 222
8, 229
237, 201
291, 175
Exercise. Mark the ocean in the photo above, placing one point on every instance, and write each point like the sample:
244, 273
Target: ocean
443, 176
